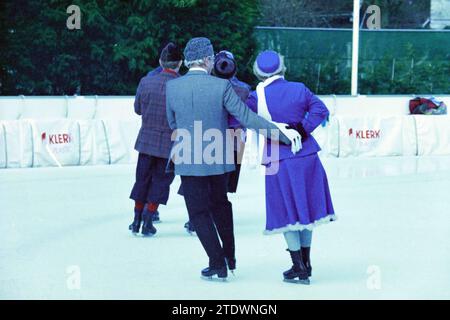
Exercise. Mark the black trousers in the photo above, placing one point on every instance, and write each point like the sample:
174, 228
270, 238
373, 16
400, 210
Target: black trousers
233, 179
152, 181
233, 176
211, 214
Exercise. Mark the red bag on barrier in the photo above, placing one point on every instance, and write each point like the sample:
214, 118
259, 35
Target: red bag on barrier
426, 106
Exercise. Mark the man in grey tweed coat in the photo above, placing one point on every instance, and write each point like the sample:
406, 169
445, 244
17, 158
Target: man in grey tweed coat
198, 106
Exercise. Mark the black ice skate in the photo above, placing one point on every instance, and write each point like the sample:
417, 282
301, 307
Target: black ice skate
136, 225
298, 270
189, 228
231, 263
209, 273
155, 217
305, 256
148, 229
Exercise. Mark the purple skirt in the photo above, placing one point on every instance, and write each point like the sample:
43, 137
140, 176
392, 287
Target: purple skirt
298, 196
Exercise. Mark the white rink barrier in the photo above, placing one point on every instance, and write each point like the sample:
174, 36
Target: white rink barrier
19, 144
121, 107
65, 107
66, 142
94, 148
2, 146
433, 135
118, 108
55, 142
121, 137
92, 130
82, 108
328, 138
377, 136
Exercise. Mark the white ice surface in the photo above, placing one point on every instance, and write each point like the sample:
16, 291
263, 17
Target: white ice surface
394, 214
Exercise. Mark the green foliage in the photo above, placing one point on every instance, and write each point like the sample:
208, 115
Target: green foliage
119, 40
117, 44
404, 62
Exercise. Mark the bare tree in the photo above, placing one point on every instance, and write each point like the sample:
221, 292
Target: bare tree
338, 13
306, 13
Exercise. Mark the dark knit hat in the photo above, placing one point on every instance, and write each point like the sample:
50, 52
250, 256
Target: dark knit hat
171, 53
224, 65
198, 48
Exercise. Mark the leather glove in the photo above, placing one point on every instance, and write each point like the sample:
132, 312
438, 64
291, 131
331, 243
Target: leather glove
300, 129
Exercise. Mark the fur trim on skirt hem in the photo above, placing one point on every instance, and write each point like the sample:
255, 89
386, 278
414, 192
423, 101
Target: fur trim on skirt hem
300, 227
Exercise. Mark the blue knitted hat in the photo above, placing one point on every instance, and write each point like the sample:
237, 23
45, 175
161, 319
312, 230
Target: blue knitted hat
198, 48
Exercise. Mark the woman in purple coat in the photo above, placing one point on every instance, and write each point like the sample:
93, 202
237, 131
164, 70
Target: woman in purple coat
297, 193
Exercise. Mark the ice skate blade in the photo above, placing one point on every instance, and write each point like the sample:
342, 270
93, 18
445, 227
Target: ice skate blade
306, 282
150, 235
214, 279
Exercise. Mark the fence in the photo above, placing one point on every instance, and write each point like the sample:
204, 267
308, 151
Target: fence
390, 61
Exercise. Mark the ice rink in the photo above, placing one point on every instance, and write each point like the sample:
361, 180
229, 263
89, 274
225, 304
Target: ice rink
64, 227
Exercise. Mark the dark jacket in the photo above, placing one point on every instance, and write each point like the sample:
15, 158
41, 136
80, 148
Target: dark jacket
155, 133
243, 93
